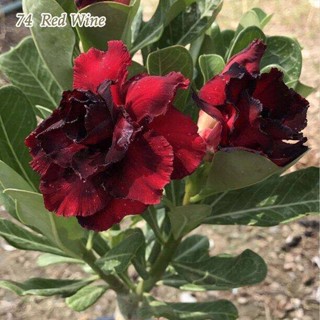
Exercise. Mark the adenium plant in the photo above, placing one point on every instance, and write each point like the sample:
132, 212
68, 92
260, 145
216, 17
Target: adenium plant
127, 158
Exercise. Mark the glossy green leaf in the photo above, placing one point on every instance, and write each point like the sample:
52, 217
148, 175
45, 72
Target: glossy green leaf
135, 68
227, 36
25, 69
190, 24
243, 39
10, 179
186, 218
23, 239
44, 287
55, 45
303, 89
215, 310
67, 5
193, 248
254, 17
118, 24
224, 272
85, 297
263, 17
65, 233
118, 258
213, 42
285, 52
17, 120
43, 112
152, 30
210, 65
175, 58
236, 169
272, 202
48, 259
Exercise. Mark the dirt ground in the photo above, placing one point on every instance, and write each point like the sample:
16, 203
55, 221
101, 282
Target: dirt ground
291, 289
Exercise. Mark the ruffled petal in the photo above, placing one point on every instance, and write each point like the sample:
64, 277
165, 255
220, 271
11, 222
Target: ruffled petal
214, 91
115, 211
283, 153
250, 57
95, 66
67, 195
145, 170
247, 132
121, 140
149, 97
181, 132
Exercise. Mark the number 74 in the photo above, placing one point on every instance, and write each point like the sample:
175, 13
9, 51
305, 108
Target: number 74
24, 19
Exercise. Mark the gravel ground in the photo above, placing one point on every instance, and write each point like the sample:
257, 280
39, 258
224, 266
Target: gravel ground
291, 290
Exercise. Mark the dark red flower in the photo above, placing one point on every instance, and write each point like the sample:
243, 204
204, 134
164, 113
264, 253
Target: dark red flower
113, 144
83, 3
242, 108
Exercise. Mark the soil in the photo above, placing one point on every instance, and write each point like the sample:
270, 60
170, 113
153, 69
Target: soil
291, 289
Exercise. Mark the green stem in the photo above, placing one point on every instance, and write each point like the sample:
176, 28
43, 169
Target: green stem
111, 280
89, 244
161, 263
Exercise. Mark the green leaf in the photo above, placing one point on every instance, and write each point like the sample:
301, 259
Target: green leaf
303, 89
135, 68
227, 36
263, 17
17, 120
152, 30
193, 248
55, 45
175, 58
118, 24
85, 297
26, 70
186, 218
215, 310
118, 258
48, 259
43, 112
10, 179
236, 169
274, 201
243, 39
210, 65
224, 272
65, 233
44, 287
254, 17
285, 52
190, 24
23, 239
67, 5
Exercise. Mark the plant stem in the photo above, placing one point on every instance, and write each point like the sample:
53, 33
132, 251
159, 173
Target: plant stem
111, 280
161, 263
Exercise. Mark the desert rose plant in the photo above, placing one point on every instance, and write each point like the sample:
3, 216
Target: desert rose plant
118, 141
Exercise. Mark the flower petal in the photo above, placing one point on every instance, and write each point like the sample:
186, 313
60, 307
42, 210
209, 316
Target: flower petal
181, 132
95, 66
250, 57
145, 170
149, 97
115, 211
67, 195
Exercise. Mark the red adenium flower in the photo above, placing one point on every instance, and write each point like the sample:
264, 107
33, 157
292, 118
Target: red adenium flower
113, 144
83, 3
242, 108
